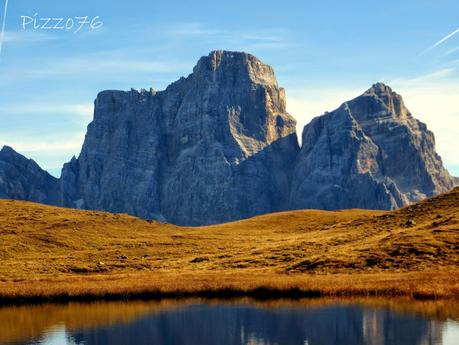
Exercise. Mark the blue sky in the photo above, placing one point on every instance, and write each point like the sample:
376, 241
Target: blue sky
323, 52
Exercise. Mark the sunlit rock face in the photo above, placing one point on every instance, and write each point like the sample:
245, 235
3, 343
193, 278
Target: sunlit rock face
369, 153
213, 147
219, 145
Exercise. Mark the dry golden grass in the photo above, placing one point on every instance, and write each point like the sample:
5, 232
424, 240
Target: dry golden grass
49, 252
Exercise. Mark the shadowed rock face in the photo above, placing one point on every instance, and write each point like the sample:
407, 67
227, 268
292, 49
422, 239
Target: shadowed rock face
219, 146
23, 179
212, 147
368, 153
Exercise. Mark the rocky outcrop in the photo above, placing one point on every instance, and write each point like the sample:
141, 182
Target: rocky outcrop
369, 153
212, 147
219, 146
23, 179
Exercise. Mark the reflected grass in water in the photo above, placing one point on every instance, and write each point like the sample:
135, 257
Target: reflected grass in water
22, 323
28, 322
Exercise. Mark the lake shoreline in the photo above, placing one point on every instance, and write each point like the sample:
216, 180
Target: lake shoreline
57, 254
415, 285
19, 324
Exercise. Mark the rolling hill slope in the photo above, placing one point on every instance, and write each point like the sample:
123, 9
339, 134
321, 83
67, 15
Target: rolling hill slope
44, 243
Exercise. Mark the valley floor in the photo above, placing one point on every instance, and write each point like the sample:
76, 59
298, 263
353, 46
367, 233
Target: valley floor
55, 254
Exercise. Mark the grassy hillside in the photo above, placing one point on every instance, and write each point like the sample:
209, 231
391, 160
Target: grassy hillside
46, 251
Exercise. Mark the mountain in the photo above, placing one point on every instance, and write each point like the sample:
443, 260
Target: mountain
23, 179
212, 147
219, 145
369, 153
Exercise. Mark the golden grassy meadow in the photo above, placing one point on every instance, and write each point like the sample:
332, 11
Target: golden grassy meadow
49, 253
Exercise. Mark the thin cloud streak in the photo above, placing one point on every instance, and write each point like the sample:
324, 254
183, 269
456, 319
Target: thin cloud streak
444, 39
273, 38
2, 34
440, 42
436, 77
50, 147
27, 37
451, 51
61, 109
105, 65
98, 66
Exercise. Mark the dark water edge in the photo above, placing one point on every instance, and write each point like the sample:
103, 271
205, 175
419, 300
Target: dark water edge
259, 293
238, 322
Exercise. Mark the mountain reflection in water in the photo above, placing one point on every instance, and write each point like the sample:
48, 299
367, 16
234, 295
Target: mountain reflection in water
237, 324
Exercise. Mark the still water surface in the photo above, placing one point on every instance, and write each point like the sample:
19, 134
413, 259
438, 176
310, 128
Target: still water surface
236, 323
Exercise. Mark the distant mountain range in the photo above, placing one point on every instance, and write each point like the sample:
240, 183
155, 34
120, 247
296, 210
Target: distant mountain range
219, 145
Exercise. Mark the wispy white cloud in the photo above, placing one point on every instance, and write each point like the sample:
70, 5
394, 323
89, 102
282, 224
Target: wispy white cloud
191, 29
451, 51
427, 79
102, 65
97, 65
47, 146
53, 134
267, 39
49, 151
84, 110
444, 39
2, 32
73, 115
440, 42
109, 68
307, 103
28, 37
127, 63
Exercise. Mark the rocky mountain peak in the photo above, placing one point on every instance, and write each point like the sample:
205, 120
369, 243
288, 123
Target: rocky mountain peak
7, 150
219, 145
8, 154
212, 147
381, 101
239, 66
370, 145
21, 178
379, 89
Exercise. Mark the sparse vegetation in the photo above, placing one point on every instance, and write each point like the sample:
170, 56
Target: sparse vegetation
49, 253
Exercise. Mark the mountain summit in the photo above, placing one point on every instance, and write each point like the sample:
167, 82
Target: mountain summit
219, 145
212, 147
369, 153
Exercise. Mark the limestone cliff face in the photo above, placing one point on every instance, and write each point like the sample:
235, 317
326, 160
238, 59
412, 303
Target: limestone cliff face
212, 147
369, 153
23, 179
219, 145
